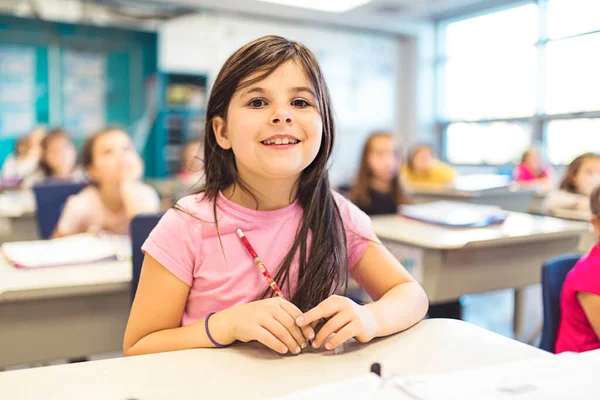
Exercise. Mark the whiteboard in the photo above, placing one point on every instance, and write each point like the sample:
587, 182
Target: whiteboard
361, 69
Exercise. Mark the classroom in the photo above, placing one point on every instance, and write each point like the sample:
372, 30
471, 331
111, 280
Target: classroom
299, 199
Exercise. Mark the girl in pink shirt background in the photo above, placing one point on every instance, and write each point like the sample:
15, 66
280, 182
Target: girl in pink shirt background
579, 328
269, 136
533, 171
116, 194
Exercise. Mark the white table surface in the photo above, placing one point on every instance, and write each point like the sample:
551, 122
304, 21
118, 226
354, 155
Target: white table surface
252, 372
25, 284
517, 227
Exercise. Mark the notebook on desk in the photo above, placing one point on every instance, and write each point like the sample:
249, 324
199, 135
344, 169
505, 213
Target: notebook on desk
69, 250
455, 214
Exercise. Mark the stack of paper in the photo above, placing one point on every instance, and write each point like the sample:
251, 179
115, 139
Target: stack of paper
70, 250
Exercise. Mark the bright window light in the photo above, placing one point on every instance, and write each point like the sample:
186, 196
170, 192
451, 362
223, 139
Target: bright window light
337, 6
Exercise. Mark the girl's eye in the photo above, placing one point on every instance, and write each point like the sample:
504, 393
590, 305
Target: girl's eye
300, 103
257, 103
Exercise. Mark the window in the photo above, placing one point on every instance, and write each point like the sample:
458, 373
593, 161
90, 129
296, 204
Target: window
569, 138
572, 17
486, 143
573, 74
529, 73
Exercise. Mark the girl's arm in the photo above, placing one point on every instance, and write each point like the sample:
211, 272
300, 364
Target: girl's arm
591, 307
155, 320
399, 302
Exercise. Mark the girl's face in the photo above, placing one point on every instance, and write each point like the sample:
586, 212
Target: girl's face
61, 156
114, 159
588, 176
274, 126
532, 160
382, 158
422, 159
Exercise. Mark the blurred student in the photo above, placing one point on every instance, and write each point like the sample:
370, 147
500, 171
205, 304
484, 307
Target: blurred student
24, 161
582, 176
579, 328
378, 189
58, 161
423, 168
192, 165
532, 171
116, 194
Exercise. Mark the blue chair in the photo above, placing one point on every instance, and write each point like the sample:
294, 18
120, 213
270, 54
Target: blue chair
140, 228
50, 198
554, 273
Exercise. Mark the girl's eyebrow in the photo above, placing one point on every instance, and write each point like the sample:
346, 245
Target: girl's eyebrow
295, 90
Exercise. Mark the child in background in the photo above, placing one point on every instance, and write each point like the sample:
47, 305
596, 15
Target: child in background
58, 161
24, 161
269, 135
532, 171
116, 195
579, 328
378, 189
192, 167
423, 168
582, 176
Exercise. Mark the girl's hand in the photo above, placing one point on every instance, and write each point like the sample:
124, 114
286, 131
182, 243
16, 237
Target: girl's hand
271, 322
346, 320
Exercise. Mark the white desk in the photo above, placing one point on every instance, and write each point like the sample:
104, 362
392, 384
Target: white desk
510, 198
253, 372
17, 216
452, 262
63, 312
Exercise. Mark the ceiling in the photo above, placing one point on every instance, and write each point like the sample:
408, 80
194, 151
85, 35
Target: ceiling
394, 16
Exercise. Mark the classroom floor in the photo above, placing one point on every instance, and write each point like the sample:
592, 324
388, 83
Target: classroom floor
494, 311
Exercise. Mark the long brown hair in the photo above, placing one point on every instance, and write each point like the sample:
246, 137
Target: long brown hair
323, 267
568, 181
359, 194
595, 202
53, 134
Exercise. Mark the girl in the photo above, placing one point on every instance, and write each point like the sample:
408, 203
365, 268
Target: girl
58, 161
116, 195
531, 170
378, 189
24, 161
269, 135
579, 328
423, 168
583, 174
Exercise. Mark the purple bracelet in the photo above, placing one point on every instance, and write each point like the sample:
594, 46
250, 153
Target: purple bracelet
220, 346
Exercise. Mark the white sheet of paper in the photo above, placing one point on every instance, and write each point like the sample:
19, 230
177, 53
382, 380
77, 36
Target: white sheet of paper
69, 250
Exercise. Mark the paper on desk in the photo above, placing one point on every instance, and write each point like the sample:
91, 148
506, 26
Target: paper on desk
559, 377
69, 250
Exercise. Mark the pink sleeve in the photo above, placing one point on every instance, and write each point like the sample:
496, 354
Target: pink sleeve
173, 244
74, 218
358, 229
518, 173
588, 280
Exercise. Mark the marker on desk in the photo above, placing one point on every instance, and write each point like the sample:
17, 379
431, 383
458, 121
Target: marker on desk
376, 369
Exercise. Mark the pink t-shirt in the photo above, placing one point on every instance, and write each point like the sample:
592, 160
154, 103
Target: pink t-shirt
190, 249
85, 212
575, 332
524, 174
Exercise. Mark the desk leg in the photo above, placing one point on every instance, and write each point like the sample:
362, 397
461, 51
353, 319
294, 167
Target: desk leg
519, 311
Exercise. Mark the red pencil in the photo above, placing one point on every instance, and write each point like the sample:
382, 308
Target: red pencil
259, 263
